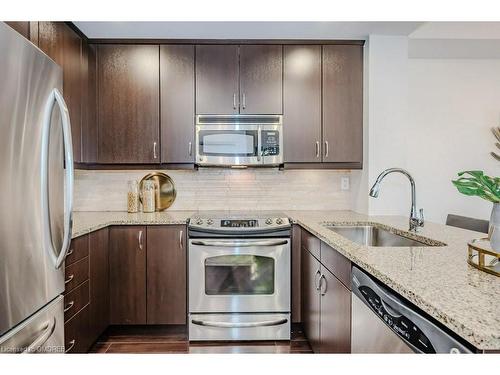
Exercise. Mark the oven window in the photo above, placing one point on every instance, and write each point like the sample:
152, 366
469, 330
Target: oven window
239, 274
241, 143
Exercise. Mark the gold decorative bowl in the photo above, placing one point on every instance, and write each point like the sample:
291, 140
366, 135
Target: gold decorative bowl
483, 257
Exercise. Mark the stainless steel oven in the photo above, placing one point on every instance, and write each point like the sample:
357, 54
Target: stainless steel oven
239, 140
239, 279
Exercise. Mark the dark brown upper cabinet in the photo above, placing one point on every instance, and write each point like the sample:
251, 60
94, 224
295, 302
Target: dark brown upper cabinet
128, 104
343, 103
232, 79
166, 274
127, 275
64, 46
217, 76
302, 104
261, 72
177, 93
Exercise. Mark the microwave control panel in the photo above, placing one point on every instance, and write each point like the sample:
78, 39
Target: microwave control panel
270, 142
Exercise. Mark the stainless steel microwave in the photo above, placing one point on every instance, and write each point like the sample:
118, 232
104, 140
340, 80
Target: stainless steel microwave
239, 140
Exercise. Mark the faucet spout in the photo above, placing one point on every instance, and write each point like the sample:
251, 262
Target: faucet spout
416, 218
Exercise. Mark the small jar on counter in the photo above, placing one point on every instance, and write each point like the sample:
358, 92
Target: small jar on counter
133, 197
148, 196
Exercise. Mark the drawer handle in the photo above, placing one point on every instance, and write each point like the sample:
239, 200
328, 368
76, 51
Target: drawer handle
265, 323
69, 306
47, 331
71, 345
70, 251
70, 277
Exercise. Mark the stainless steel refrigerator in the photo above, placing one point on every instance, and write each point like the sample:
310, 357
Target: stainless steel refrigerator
36, 193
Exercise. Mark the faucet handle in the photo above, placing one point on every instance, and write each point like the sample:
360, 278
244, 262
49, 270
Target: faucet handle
421, 217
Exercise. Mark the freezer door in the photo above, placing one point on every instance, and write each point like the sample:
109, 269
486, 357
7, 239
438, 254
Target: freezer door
35, 188
41, 333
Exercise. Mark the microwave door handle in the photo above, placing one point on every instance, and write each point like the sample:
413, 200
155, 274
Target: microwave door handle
259, 143
56, 97
239, 244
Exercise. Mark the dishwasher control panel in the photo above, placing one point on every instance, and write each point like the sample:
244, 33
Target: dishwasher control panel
401, 325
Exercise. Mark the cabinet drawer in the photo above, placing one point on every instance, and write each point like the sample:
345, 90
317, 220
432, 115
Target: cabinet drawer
76, 339
75, 300
337, 264
78, 249
76, 274
311, 243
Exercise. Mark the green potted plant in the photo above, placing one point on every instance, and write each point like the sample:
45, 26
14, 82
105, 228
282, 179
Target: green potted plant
476, 183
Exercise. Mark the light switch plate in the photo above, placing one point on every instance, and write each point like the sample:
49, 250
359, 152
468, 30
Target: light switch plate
344, 183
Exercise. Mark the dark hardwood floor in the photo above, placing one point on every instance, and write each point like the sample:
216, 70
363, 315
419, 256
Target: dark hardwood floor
173, 339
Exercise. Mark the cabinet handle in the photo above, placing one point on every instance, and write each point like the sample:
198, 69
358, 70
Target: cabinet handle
181, 242
70, 251
234, 101
326, 149
323, 292
190, 148
317, 149
140, 240
68, 306
316, 284
71, 345
154, 151
244, 101
69, 279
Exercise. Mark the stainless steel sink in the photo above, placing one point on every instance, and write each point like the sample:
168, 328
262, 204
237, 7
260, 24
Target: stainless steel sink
371, 235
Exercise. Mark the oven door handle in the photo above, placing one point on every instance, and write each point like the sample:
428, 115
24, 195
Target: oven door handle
239, 244
265, 323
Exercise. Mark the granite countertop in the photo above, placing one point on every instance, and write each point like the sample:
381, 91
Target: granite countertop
437, 279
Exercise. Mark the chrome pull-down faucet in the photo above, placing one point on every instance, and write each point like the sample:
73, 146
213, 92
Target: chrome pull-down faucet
416, 218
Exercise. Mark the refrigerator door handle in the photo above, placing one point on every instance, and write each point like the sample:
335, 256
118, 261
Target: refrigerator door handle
56, 97
48, 330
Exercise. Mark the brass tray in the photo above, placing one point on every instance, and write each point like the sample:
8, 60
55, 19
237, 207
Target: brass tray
483, 257
164, 189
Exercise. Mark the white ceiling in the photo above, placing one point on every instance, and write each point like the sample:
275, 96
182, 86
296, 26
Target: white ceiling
243, 30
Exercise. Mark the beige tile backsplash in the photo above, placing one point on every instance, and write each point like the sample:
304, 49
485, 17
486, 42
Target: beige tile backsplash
221, 189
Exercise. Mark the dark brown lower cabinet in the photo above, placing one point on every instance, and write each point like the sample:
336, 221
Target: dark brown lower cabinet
326, 307
311, 271
99, 282
127, 275
76, 332
166, 275
335, 313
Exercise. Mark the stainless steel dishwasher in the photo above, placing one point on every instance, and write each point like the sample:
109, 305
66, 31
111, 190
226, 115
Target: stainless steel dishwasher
383, 322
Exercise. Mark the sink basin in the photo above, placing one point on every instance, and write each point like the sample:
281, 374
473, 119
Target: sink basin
371, 235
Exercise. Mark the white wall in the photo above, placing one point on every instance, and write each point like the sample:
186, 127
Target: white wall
452, 105
432, 117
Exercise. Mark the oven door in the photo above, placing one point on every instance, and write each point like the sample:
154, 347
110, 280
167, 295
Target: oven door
228, 145
228, 275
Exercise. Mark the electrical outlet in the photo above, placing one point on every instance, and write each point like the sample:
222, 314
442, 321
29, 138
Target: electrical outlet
344, 183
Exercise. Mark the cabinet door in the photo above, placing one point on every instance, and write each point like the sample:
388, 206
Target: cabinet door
128, 104
177, 103
166, 275
127, 275
335, 315
63, 45
302, 104
217, 79
311, 299
342, 103
261, 79
99, 282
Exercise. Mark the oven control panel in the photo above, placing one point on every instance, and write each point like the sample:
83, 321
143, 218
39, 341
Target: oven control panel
270, 142
228, 223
